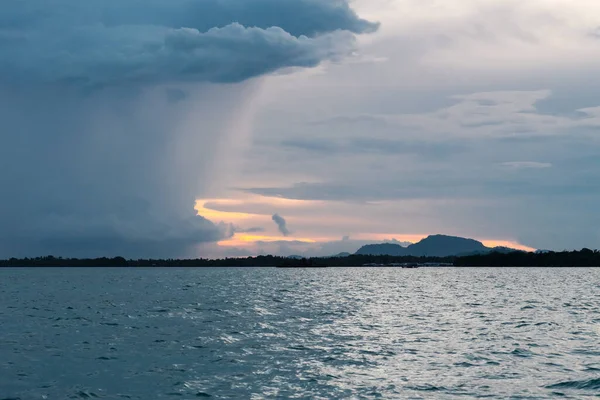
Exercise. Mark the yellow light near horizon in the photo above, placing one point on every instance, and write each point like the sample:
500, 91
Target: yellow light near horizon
233, 216
241, 240
216, 215
412, 238
509, 244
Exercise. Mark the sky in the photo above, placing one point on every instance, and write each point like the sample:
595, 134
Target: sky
205, 128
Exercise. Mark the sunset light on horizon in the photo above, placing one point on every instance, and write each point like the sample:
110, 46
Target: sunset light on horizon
264, 232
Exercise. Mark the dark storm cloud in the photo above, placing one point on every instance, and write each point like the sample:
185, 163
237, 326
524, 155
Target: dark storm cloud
103, 174
113, 112
281, 224
108, 42
89, 241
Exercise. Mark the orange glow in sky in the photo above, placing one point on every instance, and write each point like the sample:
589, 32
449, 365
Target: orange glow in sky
247, 240
241, 239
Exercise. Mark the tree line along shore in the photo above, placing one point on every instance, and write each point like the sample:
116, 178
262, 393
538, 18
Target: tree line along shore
581, 258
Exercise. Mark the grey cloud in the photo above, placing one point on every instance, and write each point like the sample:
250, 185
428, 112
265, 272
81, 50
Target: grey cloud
109, 42
254, 229
381, 146
365, 121
314, 145
281, 224
449, 185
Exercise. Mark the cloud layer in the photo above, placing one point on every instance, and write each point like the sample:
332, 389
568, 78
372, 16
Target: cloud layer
514, 165
107, 42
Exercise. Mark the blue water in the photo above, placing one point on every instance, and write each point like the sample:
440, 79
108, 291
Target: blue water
266, 333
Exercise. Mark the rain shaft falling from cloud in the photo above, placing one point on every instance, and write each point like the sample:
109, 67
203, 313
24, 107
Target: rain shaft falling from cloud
112, 111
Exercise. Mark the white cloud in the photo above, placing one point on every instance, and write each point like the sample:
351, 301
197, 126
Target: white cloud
486, 114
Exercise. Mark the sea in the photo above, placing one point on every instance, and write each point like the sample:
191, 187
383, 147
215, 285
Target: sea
267, 333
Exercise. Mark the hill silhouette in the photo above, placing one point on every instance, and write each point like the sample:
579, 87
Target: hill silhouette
383, 249
431, 246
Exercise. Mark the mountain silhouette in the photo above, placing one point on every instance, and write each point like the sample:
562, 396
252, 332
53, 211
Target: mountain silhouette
432, 246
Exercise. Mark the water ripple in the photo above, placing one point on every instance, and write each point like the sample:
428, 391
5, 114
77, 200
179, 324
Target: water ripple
263, 333
590, 384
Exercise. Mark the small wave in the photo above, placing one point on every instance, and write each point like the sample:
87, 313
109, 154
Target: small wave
521, 353
592, 368
427, 388
84, 395
227, 339
545, 323
586, 352
262, 311
590, 384
464, 364
298, 347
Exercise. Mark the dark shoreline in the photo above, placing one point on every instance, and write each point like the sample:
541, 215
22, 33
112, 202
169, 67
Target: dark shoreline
582, 258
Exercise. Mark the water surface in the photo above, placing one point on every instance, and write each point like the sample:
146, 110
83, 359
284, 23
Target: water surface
265, 333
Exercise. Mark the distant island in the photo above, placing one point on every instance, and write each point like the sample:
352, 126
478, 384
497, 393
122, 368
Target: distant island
435, 250
433, 246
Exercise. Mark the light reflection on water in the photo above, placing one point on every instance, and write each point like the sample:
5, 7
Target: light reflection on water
329, 333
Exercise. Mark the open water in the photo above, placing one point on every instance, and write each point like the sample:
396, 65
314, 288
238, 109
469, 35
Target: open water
265, 333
